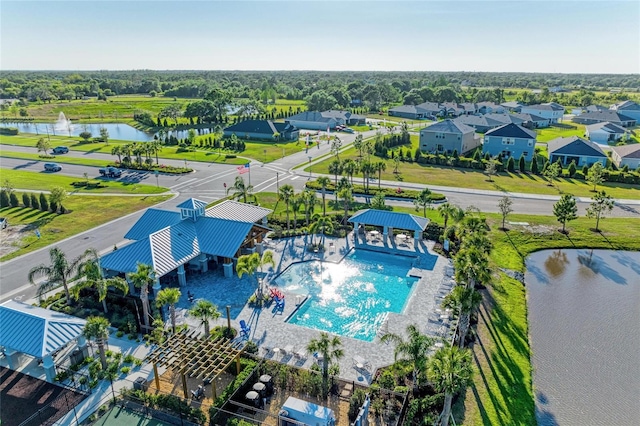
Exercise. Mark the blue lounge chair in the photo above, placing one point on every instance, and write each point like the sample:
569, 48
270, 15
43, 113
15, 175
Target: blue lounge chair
244, 329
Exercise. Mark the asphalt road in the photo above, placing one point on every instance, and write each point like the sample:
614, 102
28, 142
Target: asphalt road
207, 183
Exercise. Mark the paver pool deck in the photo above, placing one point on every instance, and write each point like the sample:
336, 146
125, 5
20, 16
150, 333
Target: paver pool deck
270, 330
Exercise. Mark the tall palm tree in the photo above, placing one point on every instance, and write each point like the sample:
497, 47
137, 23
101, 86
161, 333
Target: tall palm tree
450, 370
92, 273
309, 199
423, 200
296, 203
380, 166
324, 181
169, 296
98, 328
321, 225
346, 195
479, 240
205, 311
286, 193
330, 349
413, 351
142, 278
335, 168
446, 210
117, 150
349, 167
471, 267
465, 301
250, 263
59, 272
241, 189
366, 168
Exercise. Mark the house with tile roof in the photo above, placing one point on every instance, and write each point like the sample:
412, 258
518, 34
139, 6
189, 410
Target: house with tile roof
550, 110
510, 140
173, 242
606, 133
263, 130
626, 155
628, 108
609, 115
573, 148
448, 136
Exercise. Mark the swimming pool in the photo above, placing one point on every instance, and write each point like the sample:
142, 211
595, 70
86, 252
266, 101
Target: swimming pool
351, 298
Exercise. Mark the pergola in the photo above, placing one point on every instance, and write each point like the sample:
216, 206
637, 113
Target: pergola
186, 354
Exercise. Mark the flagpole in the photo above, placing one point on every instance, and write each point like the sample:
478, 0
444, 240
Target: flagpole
249, 164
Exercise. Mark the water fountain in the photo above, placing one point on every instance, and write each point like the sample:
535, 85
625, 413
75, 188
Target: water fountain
63, 123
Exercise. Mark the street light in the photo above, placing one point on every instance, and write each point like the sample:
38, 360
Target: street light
277, 182
310, 167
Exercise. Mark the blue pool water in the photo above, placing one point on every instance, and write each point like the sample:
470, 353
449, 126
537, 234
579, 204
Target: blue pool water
351, 298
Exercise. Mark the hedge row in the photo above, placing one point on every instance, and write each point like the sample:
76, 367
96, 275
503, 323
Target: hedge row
389, 192
11, 131
161, 168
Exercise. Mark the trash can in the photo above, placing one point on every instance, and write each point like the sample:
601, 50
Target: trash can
140, 384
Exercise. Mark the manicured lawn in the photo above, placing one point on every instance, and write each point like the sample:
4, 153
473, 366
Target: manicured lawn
86, 212
562, 130
45, 181
62, 159
502, 392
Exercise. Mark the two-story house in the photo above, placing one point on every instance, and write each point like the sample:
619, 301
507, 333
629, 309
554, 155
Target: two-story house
448, 136
510, 140
550, 110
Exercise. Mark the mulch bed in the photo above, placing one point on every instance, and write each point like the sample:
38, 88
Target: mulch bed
21, 396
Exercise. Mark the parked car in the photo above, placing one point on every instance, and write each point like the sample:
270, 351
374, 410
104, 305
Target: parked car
52, 167
3, 222
348, 130
60, 150
110, 172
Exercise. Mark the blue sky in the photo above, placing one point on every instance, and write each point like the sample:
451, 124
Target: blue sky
532, 36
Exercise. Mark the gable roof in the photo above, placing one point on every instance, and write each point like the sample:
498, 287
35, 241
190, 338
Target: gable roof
310, 116
392, 219
593, 108
628, 151
478, 120
605, 115
151, 221
233, 210
192, 204
511, 104
265, 127
413, 109
505, 118
607, 127
544, 107
626, 105
525, 116
449, 126
574, 145
512, 131
554, 106
36, 331
430, 107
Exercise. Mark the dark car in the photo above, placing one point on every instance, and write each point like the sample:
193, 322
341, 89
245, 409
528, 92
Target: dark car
52, 167
60, 150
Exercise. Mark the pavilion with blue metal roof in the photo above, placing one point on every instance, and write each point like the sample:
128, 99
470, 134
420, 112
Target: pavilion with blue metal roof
37, 332
169, 240
389, 221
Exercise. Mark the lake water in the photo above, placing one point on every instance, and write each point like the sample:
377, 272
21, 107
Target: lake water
116, 131
584, 319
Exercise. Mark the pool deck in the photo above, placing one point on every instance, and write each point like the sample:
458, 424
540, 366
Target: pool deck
269, 329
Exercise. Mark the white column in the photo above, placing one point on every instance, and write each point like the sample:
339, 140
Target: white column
204, 266
49, 368
228, 269
182, 280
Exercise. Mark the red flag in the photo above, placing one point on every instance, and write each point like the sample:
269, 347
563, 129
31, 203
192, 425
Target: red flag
243, 169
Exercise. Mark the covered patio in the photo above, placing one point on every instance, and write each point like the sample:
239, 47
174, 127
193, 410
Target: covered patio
388, 221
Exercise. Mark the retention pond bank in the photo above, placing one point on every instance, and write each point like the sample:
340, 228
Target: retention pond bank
584, 323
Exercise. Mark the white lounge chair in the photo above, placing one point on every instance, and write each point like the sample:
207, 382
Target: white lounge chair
360, 363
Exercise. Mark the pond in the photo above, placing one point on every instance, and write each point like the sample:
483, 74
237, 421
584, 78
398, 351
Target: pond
584, 323
116, 130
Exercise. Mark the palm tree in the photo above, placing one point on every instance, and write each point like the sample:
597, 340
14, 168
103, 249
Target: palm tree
414, 350
321, 225
450, 370
204, 310
366, 167
240, 189
465, 301
335, 168
59, 272
329, 348
380, 166
471, 266
92, 273
478, 240
346, 196
296, 203
249, 264
446, 210
169, 296
98, 328
349, 167
309, 199
324, 181
142, 278
286, 193
423, 200
117, 150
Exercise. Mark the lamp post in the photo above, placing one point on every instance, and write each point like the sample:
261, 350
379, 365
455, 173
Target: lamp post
310, 166
277, 182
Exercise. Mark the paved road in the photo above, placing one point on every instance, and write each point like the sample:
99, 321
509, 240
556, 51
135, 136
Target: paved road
207, 183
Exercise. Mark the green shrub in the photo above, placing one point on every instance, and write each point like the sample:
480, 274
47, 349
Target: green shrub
119, 333
13, 200
128, 359
355, 402
11, 131
125, 370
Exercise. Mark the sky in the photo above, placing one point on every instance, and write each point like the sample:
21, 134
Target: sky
560, 36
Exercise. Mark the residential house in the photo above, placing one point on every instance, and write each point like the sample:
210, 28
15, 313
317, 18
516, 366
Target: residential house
480, 123
263, 130
510, 140
468, 108
412, 112
603, 116
628, 108
489, 108
573, 148
505, 118
595, 108
432, 109
532, 121
452, 109
512, 106
448, 136
606, 132
551, 111
626, 155
348, 117
314, 120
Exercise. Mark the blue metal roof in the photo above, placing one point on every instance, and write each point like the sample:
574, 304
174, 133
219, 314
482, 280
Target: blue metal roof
36, 331
173, 246
126, 258
192, 204
151, 221
221, 237
390, 219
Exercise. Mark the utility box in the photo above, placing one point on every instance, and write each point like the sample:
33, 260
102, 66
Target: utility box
140, 384
297, 412
76, 357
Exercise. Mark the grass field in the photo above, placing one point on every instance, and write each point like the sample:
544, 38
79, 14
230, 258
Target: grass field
571, 129
61, 159
44, 181
86, 212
